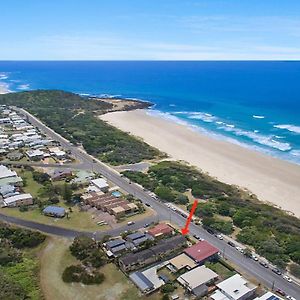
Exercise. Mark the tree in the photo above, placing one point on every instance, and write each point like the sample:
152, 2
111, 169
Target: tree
40, 177
164, 193
247, 252
167, 288
295, 270
67, 193
165, 297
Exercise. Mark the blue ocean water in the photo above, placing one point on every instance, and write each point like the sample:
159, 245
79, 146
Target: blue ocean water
255, 104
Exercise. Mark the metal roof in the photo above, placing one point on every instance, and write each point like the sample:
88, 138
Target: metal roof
56, 210
141, 281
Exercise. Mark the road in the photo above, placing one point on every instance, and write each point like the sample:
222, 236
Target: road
246, 265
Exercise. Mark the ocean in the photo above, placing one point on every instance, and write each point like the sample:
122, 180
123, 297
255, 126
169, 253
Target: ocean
254, 104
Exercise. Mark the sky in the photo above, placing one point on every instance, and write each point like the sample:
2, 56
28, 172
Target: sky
150, 30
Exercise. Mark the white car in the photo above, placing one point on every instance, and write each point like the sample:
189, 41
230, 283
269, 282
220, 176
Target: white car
254, 257
220, 236
290, 297
239, 249
287, 278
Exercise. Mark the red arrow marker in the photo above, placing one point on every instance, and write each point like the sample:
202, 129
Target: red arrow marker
185, 230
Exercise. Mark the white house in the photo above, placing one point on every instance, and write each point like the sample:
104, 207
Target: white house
197, 280
101, 184
234, 288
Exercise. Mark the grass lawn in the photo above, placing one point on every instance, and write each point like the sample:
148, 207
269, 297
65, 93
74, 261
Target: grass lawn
77, 221
220, 269
31, 186
56, 257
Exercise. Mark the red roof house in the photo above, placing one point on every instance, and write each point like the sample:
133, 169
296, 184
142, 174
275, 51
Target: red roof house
160, 230
201, 252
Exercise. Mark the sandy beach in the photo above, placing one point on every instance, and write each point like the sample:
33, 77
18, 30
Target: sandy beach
272, 180
3, 88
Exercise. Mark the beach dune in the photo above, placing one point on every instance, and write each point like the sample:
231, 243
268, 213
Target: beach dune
272, 180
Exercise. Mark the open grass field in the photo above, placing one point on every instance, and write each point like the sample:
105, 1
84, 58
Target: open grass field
78, 220
56, 257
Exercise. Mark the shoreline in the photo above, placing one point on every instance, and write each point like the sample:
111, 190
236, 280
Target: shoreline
273, 180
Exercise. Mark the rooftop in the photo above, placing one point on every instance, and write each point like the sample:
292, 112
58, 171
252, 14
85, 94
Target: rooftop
15, 198
100, 183
5, 172
160, 229
182, 261
234, 287
57, 210
196, 277
201, 251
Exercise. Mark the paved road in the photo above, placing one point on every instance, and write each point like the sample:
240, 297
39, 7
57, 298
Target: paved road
252, 268
70, 233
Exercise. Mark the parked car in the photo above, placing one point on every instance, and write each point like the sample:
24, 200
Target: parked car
290, 297
264, 264
220, 236
146, 225
280, 292
287, 278
239, 249
277, 271
254, 257
130, 223
147, 204
231, 244
210, 231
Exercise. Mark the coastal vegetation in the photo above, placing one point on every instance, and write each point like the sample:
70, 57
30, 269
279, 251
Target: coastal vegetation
87, 251
76, 118
270, 231
19, 264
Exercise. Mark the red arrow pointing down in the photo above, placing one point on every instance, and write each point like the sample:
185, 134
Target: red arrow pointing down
185, 230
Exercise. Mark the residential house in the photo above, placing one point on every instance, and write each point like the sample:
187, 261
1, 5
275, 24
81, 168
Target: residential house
182, 261
234, 288
137, 238
54, 211
18, 200
198, 280
202, 252
164, 248
101, 184
161, 230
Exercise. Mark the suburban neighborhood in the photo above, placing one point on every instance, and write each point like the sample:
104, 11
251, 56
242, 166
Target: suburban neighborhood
41, 177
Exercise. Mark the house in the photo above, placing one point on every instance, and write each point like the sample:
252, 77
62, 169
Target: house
7, 190
101, 184
8, 177
114, 247
137, 238
164, 248
182, 261
54, 211
142, 282
55, 151
234, 288
160, 230
61, 174
197, 280
18, 200
149, 280
269, 296
201, 252
35, 154
6, 172
15, 155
